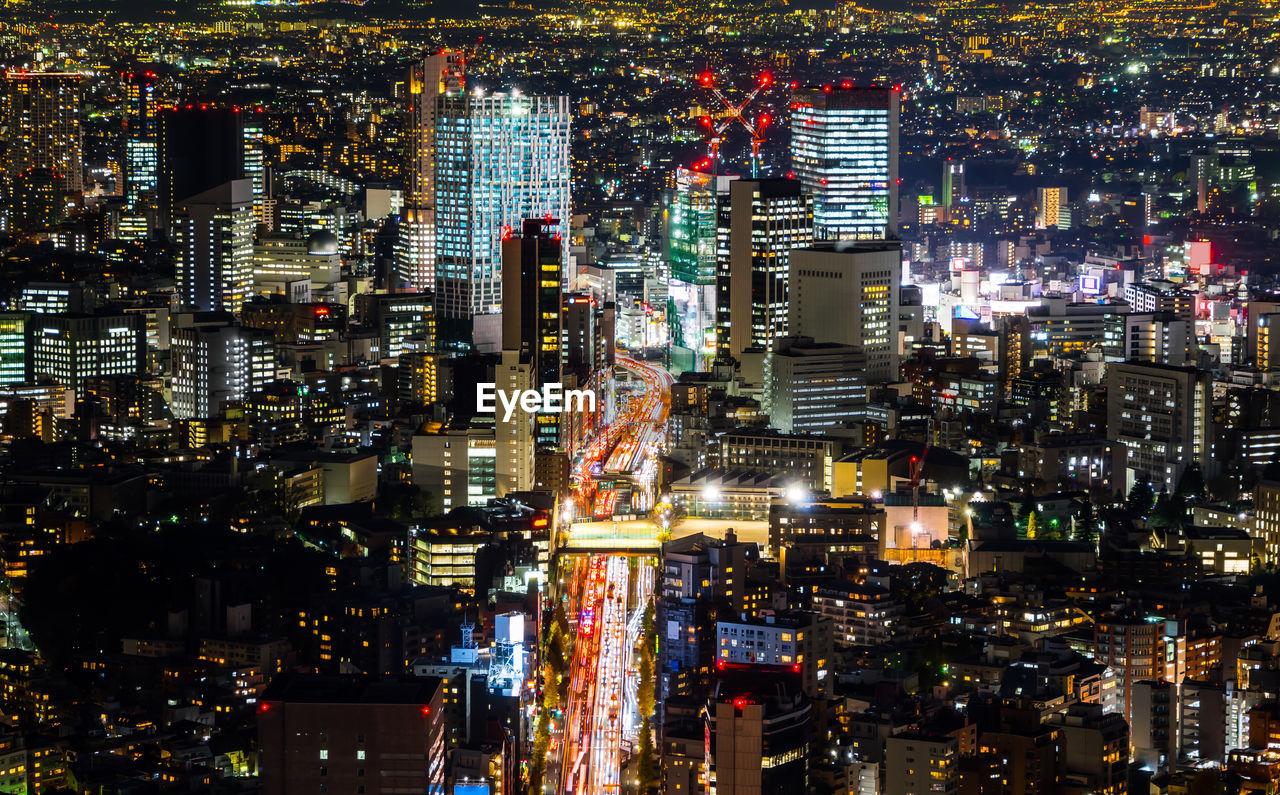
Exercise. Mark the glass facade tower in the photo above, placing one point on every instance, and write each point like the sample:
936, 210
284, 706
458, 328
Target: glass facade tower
844, 150
500, 159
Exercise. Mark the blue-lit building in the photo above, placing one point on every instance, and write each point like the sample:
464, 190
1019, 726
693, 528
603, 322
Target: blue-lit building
500, 159
844, 151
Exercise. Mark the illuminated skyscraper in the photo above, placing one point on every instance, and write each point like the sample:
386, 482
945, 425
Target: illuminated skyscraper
847, 293
44, 161
214, 233
255, 167
436, 75
15, 342
844, 150
41, 115
695, 227
73, 347
216, 362
531, 319
499, 160
141, 144
766, 220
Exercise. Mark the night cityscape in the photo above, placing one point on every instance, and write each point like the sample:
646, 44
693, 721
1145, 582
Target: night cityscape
593, 397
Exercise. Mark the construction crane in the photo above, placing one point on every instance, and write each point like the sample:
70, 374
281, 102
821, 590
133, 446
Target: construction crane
916, 470
736, 115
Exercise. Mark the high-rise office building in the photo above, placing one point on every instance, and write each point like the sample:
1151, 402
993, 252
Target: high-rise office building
766, 220
847, 293
70, 348
282, 260
500, 159
214, 233
41, 136
41, 113
531, 333
141, 142
692, 224
433, 76
954, 189
399, 317
201, 147
810, 387
255, 160
215, 362
696, 230
517, 440
531, 305
844, 150
15, 342
580, 336
352, 734
1161, 415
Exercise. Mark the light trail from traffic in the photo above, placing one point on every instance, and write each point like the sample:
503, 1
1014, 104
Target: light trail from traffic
609, 595
626, 449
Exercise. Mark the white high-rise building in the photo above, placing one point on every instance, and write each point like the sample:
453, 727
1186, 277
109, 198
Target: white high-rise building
847, 293
216, 362
214, 232
500, 159
844, 150
433, 76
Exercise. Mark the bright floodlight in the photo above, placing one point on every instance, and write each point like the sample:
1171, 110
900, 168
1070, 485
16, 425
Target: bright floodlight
795, 494
710, 493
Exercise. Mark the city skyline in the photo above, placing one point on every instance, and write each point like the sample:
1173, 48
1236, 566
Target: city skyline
628, 399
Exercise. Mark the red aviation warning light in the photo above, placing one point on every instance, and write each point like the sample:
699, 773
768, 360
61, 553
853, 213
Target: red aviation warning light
846, 84
736, 115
